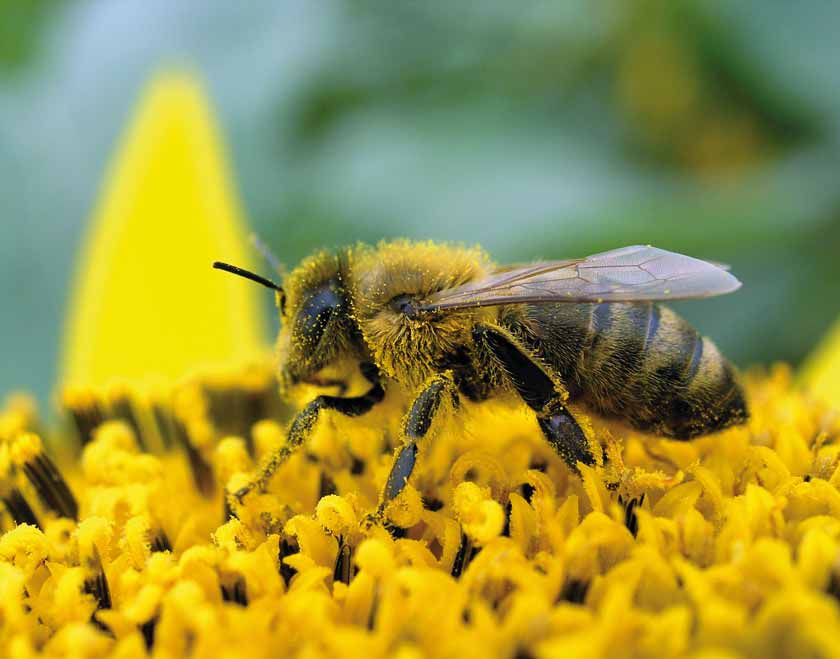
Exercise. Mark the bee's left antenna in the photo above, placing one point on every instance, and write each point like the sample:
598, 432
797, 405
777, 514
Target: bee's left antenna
227, 267
269, 256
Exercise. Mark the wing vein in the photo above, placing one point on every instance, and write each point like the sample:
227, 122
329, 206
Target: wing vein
627, 274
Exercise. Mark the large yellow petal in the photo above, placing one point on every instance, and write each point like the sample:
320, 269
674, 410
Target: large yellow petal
146, 301
821, 373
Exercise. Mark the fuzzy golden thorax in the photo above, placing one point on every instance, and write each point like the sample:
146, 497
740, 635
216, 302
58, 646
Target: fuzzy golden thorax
411, 349
316, 328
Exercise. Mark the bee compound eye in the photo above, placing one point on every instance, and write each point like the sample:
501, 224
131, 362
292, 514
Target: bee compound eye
315, 313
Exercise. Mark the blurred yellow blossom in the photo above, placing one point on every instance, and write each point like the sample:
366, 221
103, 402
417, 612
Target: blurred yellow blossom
821, 373
144, 303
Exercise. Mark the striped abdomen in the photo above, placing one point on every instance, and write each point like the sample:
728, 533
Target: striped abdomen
640, 362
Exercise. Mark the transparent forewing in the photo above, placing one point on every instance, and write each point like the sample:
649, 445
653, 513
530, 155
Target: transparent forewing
629, 274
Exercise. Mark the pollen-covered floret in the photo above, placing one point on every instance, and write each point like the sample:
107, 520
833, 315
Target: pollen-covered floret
125, 547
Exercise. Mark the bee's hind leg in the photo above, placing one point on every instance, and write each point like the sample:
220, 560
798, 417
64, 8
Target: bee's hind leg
538, 390
417, 424
302, 426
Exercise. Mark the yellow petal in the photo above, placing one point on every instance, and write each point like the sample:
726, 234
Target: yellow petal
821, 372
146, 301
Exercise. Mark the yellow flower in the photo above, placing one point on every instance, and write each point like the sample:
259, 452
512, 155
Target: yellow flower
124, 546
145, 303
821, 373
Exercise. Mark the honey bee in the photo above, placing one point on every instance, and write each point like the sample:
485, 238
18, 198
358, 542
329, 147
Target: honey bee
441, 320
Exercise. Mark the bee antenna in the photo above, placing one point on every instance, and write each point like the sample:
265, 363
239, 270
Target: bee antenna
269, 256
247, 274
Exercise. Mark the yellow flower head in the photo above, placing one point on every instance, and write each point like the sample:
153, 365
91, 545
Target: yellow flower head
146, 302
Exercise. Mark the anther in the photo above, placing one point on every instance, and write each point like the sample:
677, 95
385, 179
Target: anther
84, 411
466, 552
327, 486
147, 629
287, 548
52, 489
97, 584
235, 592
122, 407
18, 507
574, 591
343, 563
631, 520
201, 470
159, 541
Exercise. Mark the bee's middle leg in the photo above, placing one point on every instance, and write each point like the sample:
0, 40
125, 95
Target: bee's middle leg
302, 427
417, 424
539, 392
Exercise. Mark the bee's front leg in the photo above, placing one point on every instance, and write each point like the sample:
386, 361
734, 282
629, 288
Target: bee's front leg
302, 427
538, 390
417, 424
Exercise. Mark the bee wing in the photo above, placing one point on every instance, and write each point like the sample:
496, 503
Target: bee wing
628, 274
508, 267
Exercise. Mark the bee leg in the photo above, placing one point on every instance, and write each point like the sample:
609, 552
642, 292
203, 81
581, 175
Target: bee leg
302, 426
539, 391
417, 424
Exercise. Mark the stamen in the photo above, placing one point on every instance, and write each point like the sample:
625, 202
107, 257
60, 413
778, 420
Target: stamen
343, 563
357, 466
235, 592
163, 420
97, 585
194, 430
18, 507
527, 491
631, 520
374, 609
147, 629
159, 541
833, 587
327, 486
52, 489
121, 406
466, 552
236, 402
84, 411
287, 548
574, 591
202, 471
508, 511
395, 531
228, 511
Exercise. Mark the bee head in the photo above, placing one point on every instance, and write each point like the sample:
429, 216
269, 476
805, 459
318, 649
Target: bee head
315, 324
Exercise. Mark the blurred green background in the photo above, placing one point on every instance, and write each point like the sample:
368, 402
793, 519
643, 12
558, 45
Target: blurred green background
539, 129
